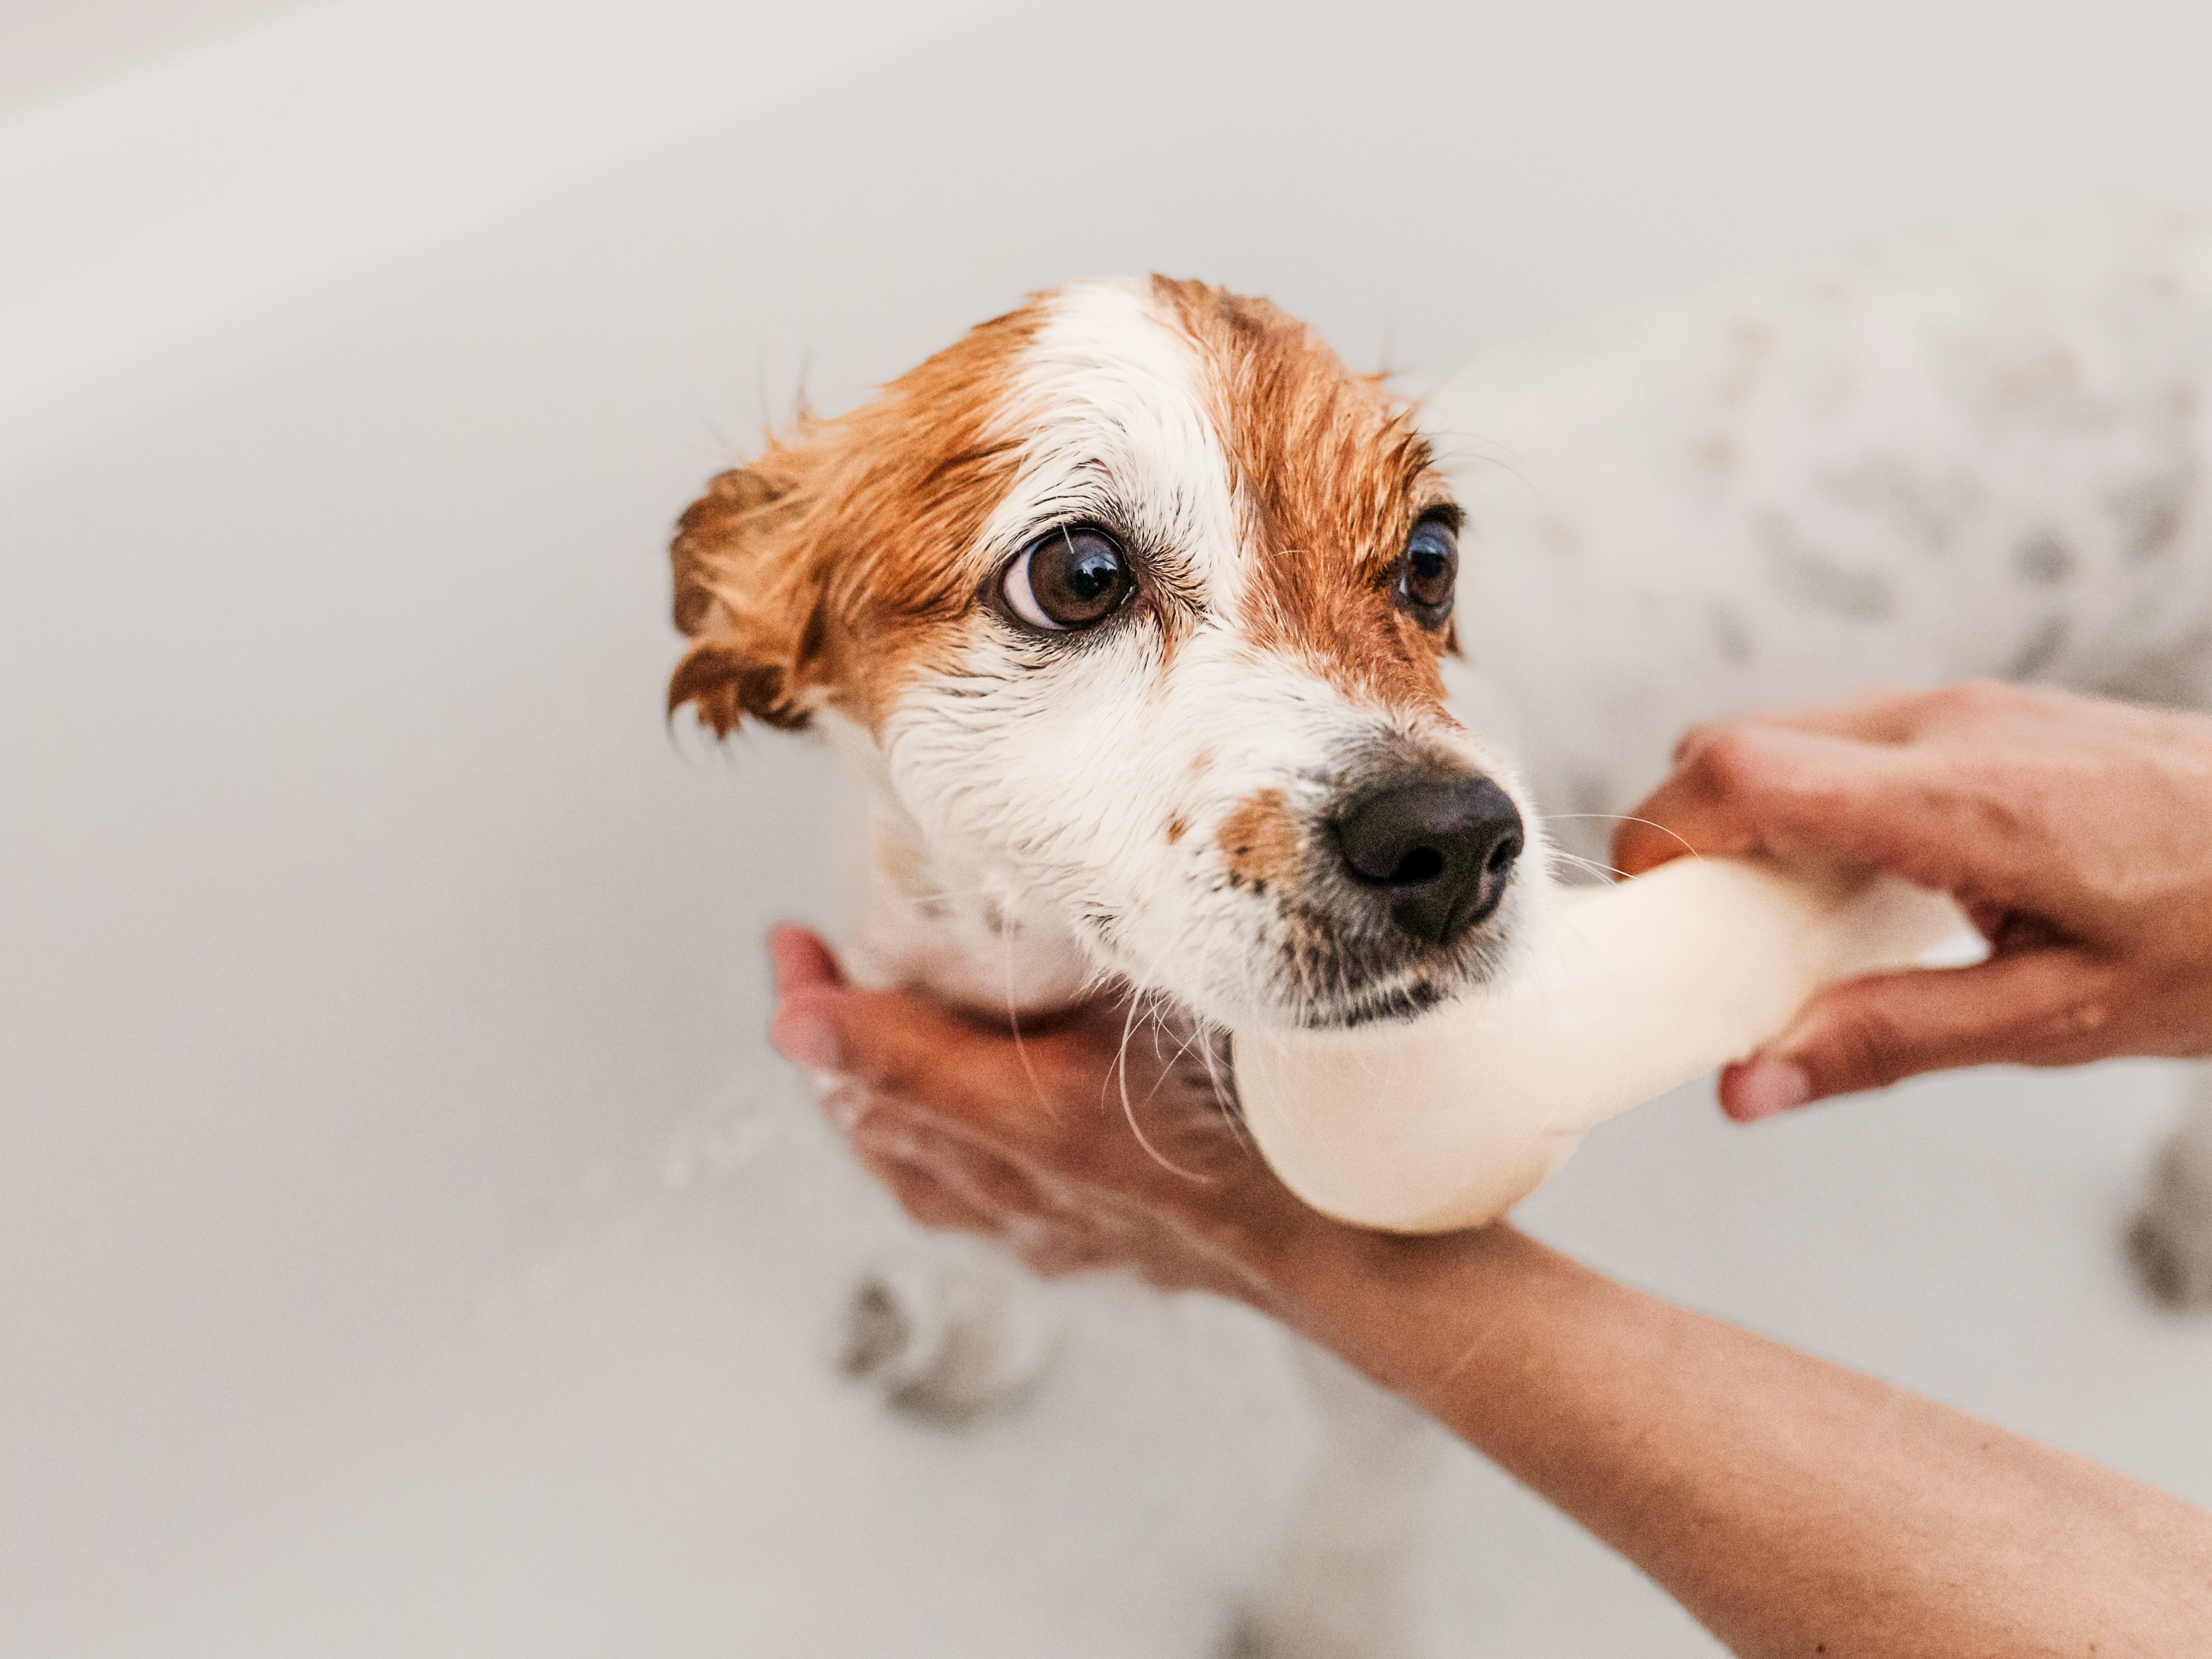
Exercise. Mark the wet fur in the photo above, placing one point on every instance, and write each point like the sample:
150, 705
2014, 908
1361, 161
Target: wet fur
1981, 452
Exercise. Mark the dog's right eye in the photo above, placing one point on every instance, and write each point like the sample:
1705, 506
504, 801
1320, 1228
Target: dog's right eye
1072, 578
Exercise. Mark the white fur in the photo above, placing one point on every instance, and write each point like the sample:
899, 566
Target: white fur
1041, 775
1981, 452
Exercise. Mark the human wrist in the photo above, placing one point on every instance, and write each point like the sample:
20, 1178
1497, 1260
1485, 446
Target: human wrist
1409, 1310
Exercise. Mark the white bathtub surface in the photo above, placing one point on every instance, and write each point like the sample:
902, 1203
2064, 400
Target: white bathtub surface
407, 1245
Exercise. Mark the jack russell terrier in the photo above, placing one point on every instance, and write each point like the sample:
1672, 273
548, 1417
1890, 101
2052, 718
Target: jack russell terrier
1143, 623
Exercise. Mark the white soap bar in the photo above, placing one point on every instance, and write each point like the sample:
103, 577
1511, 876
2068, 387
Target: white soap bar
1450, 1119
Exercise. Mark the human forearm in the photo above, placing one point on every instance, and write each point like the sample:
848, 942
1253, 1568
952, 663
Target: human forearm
1787, 1503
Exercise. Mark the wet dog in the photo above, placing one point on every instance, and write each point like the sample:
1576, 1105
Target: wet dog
1142, 621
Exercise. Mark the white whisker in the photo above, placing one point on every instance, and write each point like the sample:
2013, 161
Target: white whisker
1014, 1019
1626, 817
1559, 855
1121, 1072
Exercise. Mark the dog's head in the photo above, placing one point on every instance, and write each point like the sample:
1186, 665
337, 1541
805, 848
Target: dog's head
1140, 596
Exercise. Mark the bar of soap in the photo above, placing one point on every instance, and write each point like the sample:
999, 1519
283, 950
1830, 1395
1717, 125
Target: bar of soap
1450, 1119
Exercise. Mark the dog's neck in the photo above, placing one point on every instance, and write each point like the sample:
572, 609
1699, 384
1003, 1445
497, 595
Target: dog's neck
932, 922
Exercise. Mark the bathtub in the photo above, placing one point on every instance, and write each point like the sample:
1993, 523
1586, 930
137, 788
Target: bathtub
407, 1243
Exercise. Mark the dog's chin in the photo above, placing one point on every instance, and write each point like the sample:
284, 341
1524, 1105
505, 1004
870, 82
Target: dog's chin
1395, 997
1379, 1006
1392, 1001
1395, 985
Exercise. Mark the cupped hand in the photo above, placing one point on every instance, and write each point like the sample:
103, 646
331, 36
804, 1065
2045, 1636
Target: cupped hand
2076, 833
1097, 1137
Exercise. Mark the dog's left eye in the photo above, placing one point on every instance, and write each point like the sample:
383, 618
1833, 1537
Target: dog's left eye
1072, 578
1428, 573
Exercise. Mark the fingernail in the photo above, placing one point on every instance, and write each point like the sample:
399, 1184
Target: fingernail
1763, 1087
809, 1036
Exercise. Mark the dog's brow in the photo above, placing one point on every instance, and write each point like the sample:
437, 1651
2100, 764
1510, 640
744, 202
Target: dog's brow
976, 456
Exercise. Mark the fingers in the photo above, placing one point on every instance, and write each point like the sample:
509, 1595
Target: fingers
807, 980
2040, 1007
943, 1180
1893, 715
874, 1050
925, 1197
1739, 788
1794, 774
980, 1174
1754, 788
801, 959
1876, 714
885, 1042
1031, 1089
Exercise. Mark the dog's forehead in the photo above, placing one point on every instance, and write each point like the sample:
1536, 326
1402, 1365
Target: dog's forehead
1332, 474
1325, 459
1109, 405
1221, 424
1227, 433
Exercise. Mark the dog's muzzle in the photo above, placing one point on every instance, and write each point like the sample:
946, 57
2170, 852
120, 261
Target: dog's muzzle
1437, 851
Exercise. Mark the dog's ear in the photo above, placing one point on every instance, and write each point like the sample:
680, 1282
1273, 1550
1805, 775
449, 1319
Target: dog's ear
750, 594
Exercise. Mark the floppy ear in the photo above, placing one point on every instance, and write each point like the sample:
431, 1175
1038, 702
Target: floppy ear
749, 594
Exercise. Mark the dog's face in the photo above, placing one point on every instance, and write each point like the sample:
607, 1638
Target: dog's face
1140, 596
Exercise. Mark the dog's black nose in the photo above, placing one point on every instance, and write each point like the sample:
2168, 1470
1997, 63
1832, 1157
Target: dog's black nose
1440, 851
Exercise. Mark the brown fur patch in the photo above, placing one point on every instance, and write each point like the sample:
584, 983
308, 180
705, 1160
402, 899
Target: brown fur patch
1261, 841
1333, 475
824, 573
1177, 826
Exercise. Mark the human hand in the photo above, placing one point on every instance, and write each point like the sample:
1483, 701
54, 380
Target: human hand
2077, 833
1093, 1140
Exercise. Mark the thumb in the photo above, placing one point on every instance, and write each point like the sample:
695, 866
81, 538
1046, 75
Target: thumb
2048, 1007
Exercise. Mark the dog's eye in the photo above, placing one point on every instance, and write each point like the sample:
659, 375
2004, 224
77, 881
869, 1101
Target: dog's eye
1428, 573
1072, 578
